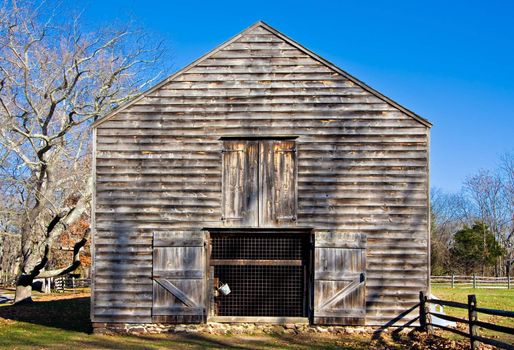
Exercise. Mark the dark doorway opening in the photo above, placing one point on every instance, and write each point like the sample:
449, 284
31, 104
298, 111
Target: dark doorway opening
268, 273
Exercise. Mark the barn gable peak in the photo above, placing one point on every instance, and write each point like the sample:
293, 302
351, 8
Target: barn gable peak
260, 25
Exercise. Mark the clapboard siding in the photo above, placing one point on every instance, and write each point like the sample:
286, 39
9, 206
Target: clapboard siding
362, 168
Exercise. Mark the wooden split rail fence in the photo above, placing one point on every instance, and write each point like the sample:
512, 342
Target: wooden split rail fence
473, 281
472, 320
63, 283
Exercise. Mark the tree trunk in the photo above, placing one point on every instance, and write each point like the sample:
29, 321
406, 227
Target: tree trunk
29, 269
37, 241
24, 282
23, 289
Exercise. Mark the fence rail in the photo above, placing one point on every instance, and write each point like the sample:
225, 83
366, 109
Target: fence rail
473, 281
472, 320
60, 284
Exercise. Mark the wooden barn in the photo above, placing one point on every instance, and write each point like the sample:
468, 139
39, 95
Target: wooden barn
263, 169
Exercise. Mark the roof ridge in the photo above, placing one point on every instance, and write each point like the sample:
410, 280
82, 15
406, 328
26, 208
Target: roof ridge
261, 23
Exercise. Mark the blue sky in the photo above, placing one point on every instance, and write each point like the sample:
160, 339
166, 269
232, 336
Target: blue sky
451, 62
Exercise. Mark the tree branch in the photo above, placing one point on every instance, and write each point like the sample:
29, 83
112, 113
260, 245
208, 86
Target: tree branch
75, 261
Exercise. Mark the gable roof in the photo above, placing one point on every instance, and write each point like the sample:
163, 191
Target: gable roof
288, 40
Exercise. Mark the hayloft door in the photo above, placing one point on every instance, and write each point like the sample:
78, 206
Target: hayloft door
259, 183
339, 279
178, 278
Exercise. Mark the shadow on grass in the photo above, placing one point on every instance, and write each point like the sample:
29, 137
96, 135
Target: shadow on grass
185, 341
66, 314
68, 322
378, 335
57, 323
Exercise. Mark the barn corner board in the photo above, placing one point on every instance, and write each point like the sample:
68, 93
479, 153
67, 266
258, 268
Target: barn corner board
262, 169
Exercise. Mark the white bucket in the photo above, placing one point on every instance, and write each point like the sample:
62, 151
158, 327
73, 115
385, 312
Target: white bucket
224, 289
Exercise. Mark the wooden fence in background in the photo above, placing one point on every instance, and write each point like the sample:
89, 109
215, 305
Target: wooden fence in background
65, 282
473, 281
472, 320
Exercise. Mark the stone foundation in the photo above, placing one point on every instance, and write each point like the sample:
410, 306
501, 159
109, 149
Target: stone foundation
226, 328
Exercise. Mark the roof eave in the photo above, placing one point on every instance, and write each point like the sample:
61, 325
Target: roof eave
173, 76
347, 75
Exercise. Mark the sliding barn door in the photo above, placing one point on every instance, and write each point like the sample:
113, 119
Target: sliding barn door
339, 279
179, 278
240, 183
277, 170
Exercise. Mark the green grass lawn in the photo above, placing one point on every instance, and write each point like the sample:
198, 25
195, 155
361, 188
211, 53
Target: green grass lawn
501, 299
61, 321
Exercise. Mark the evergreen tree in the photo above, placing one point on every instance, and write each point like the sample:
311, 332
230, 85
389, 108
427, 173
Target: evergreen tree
475, 248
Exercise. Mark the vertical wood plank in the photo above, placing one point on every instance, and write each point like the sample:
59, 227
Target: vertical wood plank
266, 194
285, 179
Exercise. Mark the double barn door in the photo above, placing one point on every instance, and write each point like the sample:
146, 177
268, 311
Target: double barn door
180, 283
259, 183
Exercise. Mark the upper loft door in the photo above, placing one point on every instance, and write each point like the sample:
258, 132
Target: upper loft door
259, 183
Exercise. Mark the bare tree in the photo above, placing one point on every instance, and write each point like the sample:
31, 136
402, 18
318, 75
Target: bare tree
490, 205
449, 213
54, 81
9, 257
507, 170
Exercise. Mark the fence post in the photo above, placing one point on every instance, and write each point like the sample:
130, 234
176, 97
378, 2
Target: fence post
474, 281
472, 317
422, 312
453, 280
61, 284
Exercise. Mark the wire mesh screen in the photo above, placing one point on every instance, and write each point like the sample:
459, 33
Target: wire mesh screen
258, 246
266, 273
261, 290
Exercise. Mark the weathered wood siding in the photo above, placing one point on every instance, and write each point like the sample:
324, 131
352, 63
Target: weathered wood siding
362, 169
